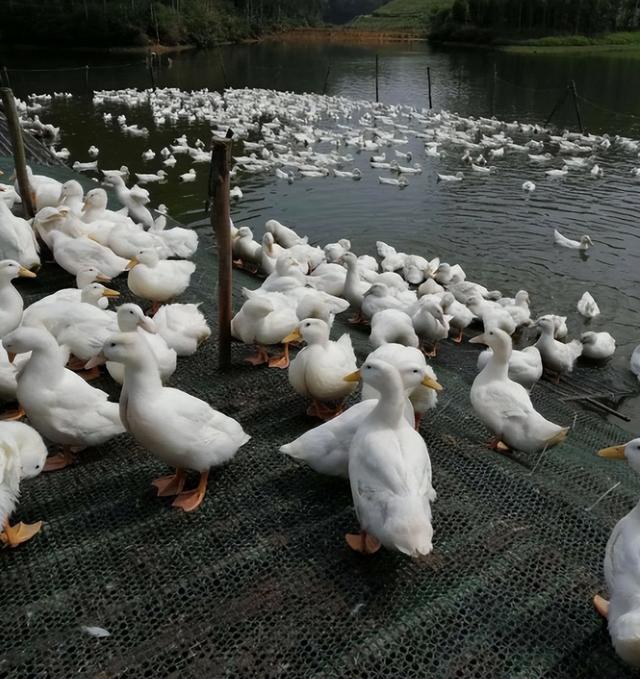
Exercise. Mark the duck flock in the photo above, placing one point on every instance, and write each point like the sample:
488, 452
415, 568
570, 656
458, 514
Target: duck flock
407, 303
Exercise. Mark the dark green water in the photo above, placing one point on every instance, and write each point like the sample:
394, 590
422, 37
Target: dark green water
502, 238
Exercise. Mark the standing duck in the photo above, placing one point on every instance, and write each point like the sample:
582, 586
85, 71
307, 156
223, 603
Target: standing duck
11, 304
181, 430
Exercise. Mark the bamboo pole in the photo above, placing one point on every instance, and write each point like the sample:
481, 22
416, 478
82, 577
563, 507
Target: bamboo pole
574, 94
5, 71
223, 69
326, 79
17, 144
557, 106
219, 216
429, 86
377, 98
151, 73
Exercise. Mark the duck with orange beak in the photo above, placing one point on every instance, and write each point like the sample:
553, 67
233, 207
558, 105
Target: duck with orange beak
622, 569
11, 304
317, 371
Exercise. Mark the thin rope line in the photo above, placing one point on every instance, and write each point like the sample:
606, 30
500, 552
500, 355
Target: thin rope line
73, 68
530, 89
607, 110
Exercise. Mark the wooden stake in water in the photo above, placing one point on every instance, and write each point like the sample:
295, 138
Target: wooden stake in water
224, 71
151, 73
5, 72
326, 79
17, 144
86, 76
429, 86
574, 94
377, 98
557, 106
220, 216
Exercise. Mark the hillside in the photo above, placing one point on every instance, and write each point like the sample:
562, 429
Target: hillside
401, 15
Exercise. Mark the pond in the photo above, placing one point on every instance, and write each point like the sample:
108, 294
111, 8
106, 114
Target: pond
502, 237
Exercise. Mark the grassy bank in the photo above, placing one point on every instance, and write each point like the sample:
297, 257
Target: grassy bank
401, 15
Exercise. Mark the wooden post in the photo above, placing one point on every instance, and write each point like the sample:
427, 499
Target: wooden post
19, 157
557, 106
576, 106
224, 71
5, 71
86, 77
219, 215
494, 83
326, 79
377, 98
429, 86
151, 73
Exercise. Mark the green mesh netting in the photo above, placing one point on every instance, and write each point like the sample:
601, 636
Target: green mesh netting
259, 581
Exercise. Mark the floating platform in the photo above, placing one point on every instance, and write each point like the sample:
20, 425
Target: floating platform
259, 581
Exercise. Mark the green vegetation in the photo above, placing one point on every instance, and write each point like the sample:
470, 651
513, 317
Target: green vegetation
414, 15
112, 23
538, 22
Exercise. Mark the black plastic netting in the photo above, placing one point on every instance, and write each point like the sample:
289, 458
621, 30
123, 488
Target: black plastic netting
259, 582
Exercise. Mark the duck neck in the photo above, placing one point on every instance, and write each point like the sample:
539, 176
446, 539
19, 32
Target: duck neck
498, 366
142, 377
390, 408
45, 365
9, 296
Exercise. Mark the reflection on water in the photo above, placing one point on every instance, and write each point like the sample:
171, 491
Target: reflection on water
502, 237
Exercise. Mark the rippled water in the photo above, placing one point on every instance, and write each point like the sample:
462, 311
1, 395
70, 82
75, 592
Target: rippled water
501, 237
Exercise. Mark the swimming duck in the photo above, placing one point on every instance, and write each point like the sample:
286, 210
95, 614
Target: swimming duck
504, 406
392, 325
326, 448
189, 176
584, 243
401, 182
149, 178
528, 186
61, 405
389, 471
587, 306
158, 280
622, 569
319, 367
181, 430
11, 304
457, 177
22, 456
17, 239
556, 356
597, 346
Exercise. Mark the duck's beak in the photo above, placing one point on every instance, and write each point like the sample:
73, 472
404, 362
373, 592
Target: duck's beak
478, 339
292, 337
101, 278
431, 383
93, 238
25, 273
108, 292
98, 359
132, 262
612, 453
352, 377
11, 356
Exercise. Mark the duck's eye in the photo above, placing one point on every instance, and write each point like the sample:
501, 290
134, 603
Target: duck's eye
415, 371
113, 344
130, 311
37, 466
307, 325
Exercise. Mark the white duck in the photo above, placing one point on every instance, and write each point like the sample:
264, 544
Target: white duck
61, 405
622, 569
183, 327
283, 235
492, 315
560, 329
180, 242
377, 298
17, 239
262, 323
158, 280
587, 306
392, 325
504, 406
423, 395
181, 430
460, 315
431, 323
334, 252
246, 251
11, 304
326, 448
77, 254
22, 456
525, 366
597, 346
354, 287
131, 318
389, 472
634, 362
584, 243
94, 208
133, 199
317, 371
556, 356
